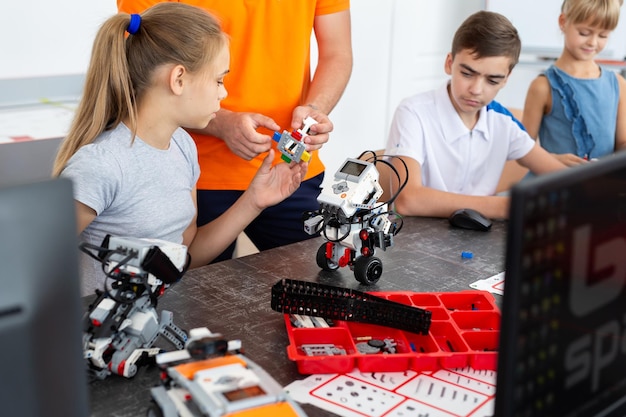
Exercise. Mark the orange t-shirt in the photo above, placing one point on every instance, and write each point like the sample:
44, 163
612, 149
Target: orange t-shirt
269, 74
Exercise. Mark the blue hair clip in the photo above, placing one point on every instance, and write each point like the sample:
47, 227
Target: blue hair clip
133, 26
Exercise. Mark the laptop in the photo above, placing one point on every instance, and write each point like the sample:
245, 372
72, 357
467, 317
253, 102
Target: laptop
563, 332
27, 161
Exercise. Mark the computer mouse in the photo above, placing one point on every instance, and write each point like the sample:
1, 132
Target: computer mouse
470, 219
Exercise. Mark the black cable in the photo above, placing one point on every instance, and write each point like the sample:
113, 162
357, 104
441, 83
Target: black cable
122, 278
328, 217
380, 158
104, 255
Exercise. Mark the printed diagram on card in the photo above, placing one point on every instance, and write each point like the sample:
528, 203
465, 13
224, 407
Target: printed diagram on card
493, 284
443, 393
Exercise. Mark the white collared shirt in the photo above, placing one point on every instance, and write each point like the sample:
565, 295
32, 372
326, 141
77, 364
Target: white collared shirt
453, 158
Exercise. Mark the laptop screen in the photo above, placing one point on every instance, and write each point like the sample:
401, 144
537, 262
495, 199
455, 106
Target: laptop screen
563, 333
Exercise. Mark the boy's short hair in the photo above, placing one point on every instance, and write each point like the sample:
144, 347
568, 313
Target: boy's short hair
488, 34
600, 13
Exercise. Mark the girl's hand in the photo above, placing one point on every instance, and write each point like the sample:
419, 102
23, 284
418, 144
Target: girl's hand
273, 184
570, 159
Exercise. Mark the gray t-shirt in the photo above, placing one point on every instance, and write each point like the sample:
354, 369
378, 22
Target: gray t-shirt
136, 190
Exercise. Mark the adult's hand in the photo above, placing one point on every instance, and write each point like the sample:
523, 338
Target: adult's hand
319, 132
239, 131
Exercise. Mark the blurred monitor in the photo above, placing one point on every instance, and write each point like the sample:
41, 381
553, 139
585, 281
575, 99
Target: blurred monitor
28, 161
563, 332
42, 371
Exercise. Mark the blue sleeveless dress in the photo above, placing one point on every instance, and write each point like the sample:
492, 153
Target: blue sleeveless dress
583, 116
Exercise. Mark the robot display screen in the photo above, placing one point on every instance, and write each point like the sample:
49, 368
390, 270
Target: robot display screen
243, 393
353, 168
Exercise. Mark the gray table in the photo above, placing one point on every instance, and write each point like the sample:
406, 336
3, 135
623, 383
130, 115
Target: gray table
233, 297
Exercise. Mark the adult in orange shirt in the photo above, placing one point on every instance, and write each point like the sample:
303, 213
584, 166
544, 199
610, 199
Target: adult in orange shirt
270, 88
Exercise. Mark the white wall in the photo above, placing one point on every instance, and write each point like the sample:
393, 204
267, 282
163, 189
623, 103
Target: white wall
43, 37
537, 23
399, 49
540, 30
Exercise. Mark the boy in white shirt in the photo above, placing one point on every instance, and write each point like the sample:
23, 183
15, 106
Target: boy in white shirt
455, 140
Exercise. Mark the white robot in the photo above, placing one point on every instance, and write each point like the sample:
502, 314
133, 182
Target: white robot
122, 324
352, 221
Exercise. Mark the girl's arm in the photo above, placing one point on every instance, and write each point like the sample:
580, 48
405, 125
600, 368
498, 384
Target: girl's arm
538, 103
270, 186
84, 216
620, 130
192, 229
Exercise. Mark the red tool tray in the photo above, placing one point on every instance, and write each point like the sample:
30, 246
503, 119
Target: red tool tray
464, 331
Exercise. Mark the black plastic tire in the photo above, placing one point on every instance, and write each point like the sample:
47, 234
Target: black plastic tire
368, 270
323, 262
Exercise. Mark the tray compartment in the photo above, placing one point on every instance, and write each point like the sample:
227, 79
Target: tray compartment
464, 331
303, 340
